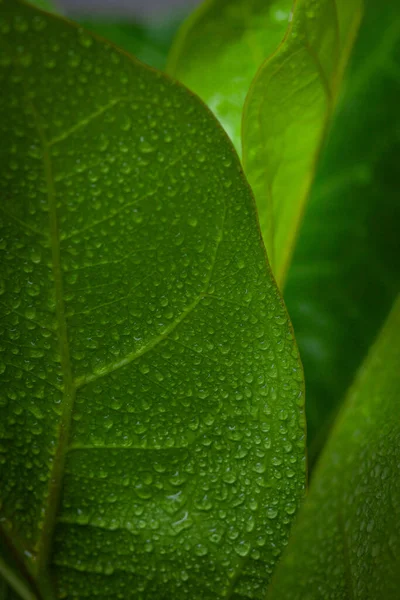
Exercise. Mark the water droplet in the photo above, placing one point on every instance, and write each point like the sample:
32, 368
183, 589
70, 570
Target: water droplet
242, 548
290, 509
200, 550
39, 23
20, 24
145, 147
25, 60
84, 39
272, 513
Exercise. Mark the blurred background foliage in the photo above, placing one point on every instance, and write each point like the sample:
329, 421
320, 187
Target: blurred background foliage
345, 272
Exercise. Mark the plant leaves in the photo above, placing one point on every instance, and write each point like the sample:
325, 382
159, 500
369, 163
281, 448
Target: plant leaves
47, 5
219, 49
11, 581
286, 114
346, 268
148, 42
151, 398
346, 542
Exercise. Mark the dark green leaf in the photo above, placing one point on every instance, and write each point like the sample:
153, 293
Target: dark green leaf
346, 542
219, 49
12, 583
346, 268
286, 114
151, 393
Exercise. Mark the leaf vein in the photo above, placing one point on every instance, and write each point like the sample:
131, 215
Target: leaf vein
132, 356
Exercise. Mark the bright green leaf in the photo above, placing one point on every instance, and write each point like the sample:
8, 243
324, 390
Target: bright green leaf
346, 542
286, 114
219, 49
151, 392
345, 273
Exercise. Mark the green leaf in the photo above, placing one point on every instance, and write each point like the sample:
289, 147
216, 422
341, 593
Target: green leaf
151, 392
346, 541
12, 583
219, 49
286, 115
346, 268
150, 42
47, 5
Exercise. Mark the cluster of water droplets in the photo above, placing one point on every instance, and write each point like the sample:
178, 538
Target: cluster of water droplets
185, 459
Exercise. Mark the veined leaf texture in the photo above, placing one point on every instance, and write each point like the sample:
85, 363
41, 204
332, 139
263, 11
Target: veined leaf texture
152, 423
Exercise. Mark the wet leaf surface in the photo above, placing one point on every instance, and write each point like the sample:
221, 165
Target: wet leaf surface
152, 395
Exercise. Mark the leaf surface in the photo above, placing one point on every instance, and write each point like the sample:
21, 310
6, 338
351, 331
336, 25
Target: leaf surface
345, 273
151, 392
219, 49
286, 114
346, 542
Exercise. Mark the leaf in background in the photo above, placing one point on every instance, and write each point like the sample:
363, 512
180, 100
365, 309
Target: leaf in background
150, 42
148, 366
47, 5
346, 541
286, 114
218, 51
6, 593
11, 581
3, 589
346, 268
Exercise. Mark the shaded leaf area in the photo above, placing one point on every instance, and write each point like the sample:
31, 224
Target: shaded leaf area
286, 114
219, 49
346, 542
346, 268
6, 593
13, 585
151, 391
150, 42
3, 589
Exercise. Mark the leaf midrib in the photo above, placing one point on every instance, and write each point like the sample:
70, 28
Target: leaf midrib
54, 490
71, 385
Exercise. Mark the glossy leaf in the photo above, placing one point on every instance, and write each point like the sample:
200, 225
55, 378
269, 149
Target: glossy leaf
286, 114
219, 49
346, 542
151, 394
346, 268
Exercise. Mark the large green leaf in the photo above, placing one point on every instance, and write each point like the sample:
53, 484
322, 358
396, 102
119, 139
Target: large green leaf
152, 430
219, 49
286, 114
346, 542
346, 268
